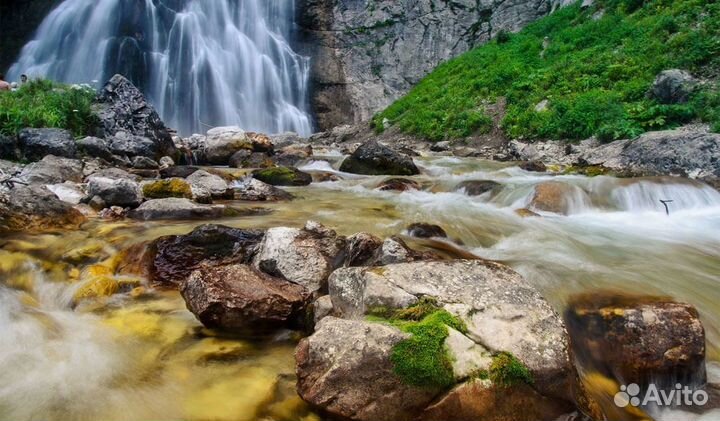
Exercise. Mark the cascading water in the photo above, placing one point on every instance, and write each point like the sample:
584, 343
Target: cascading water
202, 63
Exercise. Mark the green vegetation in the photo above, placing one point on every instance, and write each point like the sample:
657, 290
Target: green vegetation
506, 370
170, 187
41, 103
593, 71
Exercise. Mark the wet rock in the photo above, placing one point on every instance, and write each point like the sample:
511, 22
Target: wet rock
348, 355
423, 230
35, 144
304, 256
144, 163
34, 208
115, 192
222, 143
132, 124
9, 148
282, 140
113, 213
249, 159
239, 297
179, 171
173, 258
395, 250
533, 166
443, 146
372, 158
399, 184
283, 176
291, 155
254, 190
321, 308
558, 197
673, 86
361, 248
53, 170
68, 192
638, 339
95, 147
502, 311
215, 185
174, 208
168, 187
525, 213
261, 142
478, 187
166, 162
481, 400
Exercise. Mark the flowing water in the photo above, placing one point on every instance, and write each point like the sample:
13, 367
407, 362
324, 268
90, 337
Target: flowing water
143, 356
202, 63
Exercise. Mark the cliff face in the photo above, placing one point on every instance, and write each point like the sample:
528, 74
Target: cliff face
367, 53
19, 19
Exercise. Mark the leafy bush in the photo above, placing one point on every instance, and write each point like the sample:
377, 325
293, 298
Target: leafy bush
41, 103
594, 73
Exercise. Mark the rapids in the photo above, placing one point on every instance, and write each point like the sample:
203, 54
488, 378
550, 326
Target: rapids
140, 357
201, 63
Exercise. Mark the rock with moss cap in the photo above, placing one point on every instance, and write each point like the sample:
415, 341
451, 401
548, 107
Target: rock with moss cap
373, 158
165, 188
283, 176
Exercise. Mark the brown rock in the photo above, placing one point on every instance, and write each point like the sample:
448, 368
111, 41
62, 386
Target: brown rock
557, 197
399, 184
423, 230
525, 213
238, 297
361, 248
35, 208
477, 187
533, 166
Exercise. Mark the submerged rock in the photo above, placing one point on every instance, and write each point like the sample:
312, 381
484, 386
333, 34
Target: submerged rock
238, 297
283, 176
399, 184
423, 230
35, 144
34, 208
478, 187
372, 158
558, 197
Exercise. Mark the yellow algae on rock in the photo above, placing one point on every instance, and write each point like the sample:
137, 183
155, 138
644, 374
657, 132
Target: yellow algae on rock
209, 350
240, 397
93, 251
101, 286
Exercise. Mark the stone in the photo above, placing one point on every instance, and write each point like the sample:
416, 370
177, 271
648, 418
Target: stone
558, 197
344, 368
130, 122
9, 148
168, 187
533, 166
53, 170
215, 185
282, 140
372, 158
172, 258
283, 176
178, 208
179, 171
239, 297
35, 144
502, 311
321, 308
525, 213
68, 192
395, 250
261, 142
638, 339
399, 184
361, 249
443, 146
166, 162
248, 159
95, 147
478, 187
468, 358
144, 163
34, 208
115, 192
304, 256
222, 143
423, 230
254, 190
673, 86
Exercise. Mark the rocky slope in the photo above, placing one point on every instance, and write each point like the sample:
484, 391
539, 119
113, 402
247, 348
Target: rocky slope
366, 54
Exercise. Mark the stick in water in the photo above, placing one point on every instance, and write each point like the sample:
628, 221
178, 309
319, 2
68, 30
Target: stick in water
665, 203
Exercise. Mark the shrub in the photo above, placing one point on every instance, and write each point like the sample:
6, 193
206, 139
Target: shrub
42, 103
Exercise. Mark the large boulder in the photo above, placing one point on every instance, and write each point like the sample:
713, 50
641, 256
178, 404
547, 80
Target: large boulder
239, 297
304, 256
53, 170
254, 190
638, 339
502, 312
173, 258
345, 369
115, 192
283, 176
673, 86
221, 143
34, 208
373, 158
35, 144
180, 208
204, 182
95, 147
558, 197
132, 124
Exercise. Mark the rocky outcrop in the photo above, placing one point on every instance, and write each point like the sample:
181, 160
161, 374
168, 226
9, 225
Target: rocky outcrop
36, 143
238, 297
129, 123
373, 158
365, 55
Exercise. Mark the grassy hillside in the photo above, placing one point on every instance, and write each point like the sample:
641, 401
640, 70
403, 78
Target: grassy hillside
594, 66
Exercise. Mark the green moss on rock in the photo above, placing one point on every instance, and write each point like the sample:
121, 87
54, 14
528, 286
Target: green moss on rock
168, 188
506, 370
283, 176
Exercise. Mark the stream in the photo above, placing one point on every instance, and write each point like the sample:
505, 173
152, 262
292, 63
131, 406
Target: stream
141, 355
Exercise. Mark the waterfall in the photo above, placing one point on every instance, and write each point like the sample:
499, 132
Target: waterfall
202, 63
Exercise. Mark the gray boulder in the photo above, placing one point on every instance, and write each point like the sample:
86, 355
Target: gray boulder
144, 163
34, 208
673, 86
221, 143
53, 170
37, 143
254, 190
115, 192
372, 158
95, 147
202, 182
122, 108
174, 208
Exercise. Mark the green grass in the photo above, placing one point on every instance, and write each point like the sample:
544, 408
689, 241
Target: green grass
594, 72
41, 103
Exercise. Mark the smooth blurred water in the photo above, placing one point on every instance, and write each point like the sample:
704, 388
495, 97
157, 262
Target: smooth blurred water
202, 63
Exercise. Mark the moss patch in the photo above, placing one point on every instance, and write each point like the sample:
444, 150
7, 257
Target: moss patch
506, 370
172, 187
283, 176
